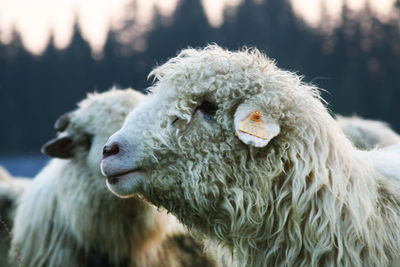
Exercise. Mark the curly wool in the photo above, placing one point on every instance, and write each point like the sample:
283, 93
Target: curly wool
69, 218
307, 198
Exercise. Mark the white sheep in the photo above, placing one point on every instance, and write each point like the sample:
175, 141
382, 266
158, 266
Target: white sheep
247, 154
368, 134
11, 189
69, 218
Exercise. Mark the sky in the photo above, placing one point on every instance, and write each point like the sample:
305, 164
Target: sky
37, 20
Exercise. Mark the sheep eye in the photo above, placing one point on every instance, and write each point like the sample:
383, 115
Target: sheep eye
175, 120
208, 109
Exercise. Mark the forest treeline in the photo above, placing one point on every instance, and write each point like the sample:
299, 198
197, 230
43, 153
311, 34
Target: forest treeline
357, 64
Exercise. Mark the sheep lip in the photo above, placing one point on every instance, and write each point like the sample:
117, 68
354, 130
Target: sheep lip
113, 179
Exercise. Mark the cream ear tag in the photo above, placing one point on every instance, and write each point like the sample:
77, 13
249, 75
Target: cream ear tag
253, 125
253, 130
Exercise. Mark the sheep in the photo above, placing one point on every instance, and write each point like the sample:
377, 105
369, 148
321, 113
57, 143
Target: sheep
247, 155
69, 218
368, 134
11, 190
4, 174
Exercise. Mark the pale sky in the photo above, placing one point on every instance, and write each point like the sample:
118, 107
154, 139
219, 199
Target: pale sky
37, 19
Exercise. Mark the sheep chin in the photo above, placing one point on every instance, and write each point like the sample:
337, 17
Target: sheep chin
127, 185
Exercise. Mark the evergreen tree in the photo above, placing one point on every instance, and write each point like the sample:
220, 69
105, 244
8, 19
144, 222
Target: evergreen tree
358, 63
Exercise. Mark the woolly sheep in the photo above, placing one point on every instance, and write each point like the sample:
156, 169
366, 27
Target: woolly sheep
11, 190
69, 218
368, 134
247, 154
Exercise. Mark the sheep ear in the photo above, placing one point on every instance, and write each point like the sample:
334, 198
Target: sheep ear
62, 122
253, 127
60, 147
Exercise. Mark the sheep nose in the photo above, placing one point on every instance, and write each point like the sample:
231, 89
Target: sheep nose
110, 150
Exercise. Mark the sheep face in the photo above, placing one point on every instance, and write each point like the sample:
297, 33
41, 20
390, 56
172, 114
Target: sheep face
185, 147
82, 133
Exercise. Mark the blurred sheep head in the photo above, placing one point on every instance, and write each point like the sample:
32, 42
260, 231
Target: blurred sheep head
83, 132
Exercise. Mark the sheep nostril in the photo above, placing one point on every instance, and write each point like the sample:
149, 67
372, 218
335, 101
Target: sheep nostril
110, 150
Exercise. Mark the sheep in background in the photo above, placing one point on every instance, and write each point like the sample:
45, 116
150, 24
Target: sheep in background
4, 174
247, 154
69, 218
11, 190
368, 134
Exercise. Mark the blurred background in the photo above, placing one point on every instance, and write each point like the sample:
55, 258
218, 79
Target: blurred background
52, 52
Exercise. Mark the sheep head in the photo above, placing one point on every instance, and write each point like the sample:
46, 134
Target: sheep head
188, 147
82, 132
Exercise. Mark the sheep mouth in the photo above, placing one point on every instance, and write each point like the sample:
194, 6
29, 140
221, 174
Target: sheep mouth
113, 179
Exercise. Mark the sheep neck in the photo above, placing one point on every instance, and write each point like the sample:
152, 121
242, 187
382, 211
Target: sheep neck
321, 179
